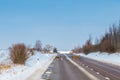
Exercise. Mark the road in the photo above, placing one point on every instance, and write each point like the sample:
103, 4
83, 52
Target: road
82, 69
107, 70
64, 70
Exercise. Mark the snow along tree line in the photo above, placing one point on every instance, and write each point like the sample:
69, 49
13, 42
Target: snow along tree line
110, 42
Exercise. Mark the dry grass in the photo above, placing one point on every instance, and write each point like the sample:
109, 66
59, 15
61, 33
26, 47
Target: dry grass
4, 67
76, 57
58, 57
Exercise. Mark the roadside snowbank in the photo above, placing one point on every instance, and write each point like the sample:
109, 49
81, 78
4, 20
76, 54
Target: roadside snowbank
104, 57
37, 59
21, 72
4, 57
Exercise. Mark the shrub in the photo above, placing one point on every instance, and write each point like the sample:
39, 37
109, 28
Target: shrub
75, 57
77, 50
19, 53
4, 67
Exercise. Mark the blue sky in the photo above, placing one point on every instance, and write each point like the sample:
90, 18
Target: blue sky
61, 23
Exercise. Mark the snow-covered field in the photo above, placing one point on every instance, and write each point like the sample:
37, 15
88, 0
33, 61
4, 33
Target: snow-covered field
64, 52
104, 57
38, 61
21, 72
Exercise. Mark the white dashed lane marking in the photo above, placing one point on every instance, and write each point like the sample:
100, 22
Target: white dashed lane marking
107, 78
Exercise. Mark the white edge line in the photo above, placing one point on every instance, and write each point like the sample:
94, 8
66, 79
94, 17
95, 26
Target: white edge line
82, 69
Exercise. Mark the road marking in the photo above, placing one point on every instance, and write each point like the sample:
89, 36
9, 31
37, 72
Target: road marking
108, 73
48, 72
83, 70
97, 72
87, 66
107, 78
91, 69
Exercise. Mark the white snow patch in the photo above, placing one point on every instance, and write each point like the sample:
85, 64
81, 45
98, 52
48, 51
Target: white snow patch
21, 72
104, 57
4, 57
64, 52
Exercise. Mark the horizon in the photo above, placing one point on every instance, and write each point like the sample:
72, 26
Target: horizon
63, 24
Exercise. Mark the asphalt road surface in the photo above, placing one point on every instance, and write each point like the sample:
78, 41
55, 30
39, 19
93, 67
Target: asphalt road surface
63, 69
107, 70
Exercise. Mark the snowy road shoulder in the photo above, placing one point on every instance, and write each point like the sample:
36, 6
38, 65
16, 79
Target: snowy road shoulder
82, 69
38, 73
104, 57
36, 62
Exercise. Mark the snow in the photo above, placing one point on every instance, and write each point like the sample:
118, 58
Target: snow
64, 52
113, 58
11, 73
37, 59
21, 72
41, 61
4, 57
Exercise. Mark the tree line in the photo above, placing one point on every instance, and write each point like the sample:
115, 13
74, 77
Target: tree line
46, 49
109, 42
19, 52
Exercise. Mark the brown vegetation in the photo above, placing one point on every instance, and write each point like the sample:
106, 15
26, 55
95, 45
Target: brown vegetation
19, 53
110, 42
75, 57
4, 67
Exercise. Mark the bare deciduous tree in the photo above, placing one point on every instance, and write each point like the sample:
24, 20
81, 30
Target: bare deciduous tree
38, 45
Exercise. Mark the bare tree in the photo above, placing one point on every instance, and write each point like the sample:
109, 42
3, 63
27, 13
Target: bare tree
38, 45
55, 50
47, 48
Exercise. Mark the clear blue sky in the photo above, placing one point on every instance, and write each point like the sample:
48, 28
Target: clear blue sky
61, 23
